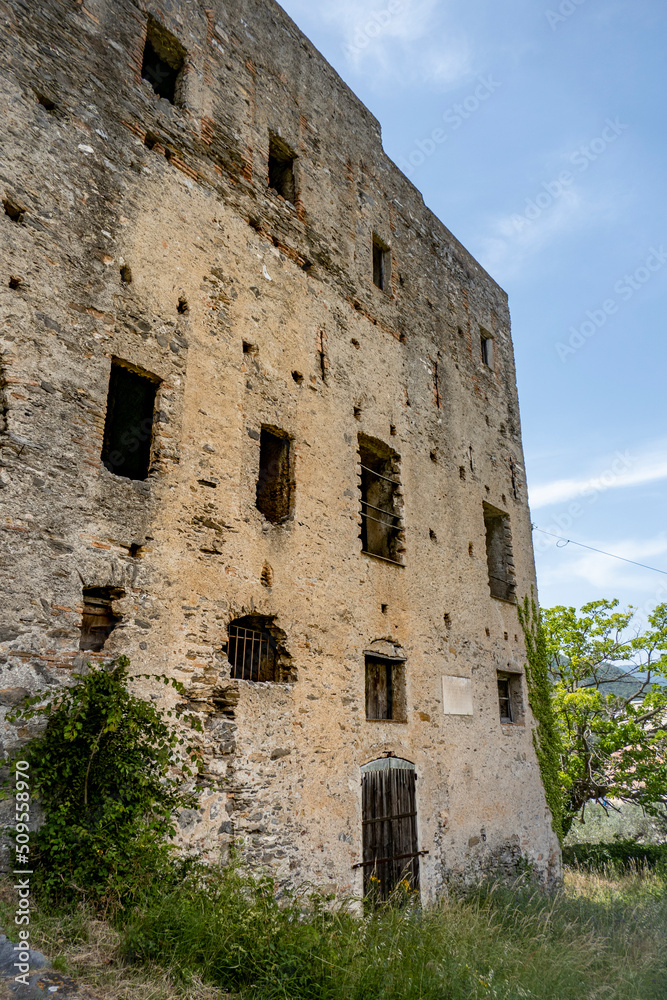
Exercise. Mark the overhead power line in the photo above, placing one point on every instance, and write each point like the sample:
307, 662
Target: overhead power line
612, 555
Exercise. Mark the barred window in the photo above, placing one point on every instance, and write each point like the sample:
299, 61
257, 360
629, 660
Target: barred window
381, 520
256, 650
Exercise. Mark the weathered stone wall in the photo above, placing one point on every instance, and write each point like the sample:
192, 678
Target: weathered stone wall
102, 181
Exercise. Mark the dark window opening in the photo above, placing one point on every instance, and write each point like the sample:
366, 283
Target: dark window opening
163, 62
436, 383
128, 429
322, 354
150, 140
14, 211
249, 348
256, 650
389, 825
381, 522
275, 488
98, 619
298, 377
510, 703
486, 343
14, 282
182, 306
381, 263
504, 699
45, 102
126, 274
499, 554
385, 688
281, 168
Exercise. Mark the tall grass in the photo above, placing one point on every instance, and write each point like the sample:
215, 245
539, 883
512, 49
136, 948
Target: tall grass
600, 938
603, 936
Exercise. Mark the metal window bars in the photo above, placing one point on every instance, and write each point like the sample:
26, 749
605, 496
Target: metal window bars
398, 518
252, 654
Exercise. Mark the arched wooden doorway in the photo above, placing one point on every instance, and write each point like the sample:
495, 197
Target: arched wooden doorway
389, 807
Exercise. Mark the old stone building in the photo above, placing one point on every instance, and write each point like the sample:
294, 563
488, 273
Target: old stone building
260, 432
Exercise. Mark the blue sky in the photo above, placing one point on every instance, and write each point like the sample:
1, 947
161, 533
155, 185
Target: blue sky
537, 132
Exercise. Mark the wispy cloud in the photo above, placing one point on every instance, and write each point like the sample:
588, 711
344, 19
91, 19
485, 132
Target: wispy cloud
603, 574
409, 40
645, 469
508, 245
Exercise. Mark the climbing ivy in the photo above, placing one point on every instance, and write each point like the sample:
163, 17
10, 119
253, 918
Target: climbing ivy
546, 737
107, 771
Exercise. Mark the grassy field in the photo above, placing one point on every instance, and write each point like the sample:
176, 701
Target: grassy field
601, 938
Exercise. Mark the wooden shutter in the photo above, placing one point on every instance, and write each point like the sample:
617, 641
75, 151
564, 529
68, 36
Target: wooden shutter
389, 829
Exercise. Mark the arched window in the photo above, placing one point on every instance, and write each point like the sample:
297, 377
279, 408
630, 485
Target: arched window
256, 650
389, 823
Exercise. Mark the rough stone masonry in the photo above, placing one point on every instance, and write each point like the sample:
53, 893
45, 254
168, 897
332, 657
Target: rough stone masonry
260, 432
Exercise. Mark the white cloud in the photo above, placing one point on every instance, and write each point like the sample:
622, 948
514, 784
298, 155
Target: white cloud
513, 239
403, 39
605, 576
625, 470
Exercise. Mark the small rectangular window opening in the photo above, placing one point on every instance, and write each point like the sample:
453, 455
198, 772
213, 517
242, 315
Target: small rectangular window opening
251, 653
128, 429
381, 263
486, 343
381, 520
510, 702
385, 683
504, 699
275, 487
281, 168
98, 619
499, 554
163, 62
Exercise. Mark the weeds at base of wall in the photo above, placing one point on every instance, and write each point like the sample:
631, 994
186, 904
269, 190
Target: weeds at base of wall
601, 936
546, 739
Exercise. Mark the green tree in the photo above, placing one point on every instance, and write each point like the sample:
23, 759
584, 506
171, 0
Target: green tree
107, 771
609, 704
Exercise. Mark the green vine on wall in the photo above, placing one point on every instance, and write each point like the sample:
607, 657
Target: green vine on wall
107, 769
546, 738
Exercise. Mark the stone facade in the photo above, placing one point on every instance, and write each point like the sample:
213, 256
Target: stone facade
341, 318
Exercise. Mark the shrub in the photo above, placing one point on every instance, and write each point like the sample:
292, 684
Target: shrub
623, 854
108, 776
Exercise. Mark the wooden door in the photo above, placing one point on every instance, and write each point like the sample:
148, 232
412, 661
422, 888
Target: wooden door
391, 851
